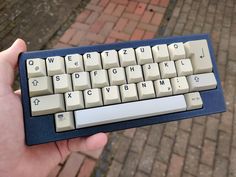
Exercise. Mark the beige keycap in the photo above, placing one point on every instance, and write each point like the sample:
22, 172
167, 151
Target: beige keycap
110, 59
64, 121
144, 55
177, 51
193, 100
92, 61
127, 57
179, 85
99, 78
151, 71
198, 52
163, 87
81, 81
128, 92
184, 67
62, 83
74, 100
111, 95
134, 74
146, 90
40, 86
167, 69
93, 98
36, 67
49, 104
117, 76
55, 65
160, 53
74, 63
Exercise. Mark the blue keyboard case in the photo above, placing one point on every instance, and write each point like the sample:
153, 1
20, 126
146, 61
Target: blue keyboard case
41, 129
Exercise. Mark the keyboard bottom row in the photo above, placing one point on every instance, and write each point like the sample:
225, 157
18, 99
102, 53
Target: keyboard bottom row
66, 121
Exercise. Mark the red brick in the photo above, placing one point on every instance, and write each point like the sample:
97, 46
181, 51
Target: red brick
95, 37
80, 26
131, 6
92, 18
107, 28
164, 3
148, 35
87, 168
72, 165
83, 16
67, 35
130, 132
147, 16
148, 27
137, 35
93, 7
130, 27
119, 10
96, 27
119, 35
110, 8
156, 20
77, 38
121, 24
208, 152
124, 2
154, 2
103, 3
131, 16
94, 154
61, 45
140, 8
109, 18
55, 171
110, 40
85, 42
176, 166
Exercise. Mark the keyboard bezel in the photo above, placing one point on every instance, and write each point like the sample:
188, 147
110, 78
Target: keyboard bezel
41, 129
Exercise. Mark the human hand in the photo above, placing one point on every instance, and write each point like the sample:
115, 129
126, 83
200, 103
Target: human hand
17, 159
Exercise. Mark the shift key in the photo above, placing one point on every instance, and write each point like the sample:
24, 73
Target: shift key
48, 104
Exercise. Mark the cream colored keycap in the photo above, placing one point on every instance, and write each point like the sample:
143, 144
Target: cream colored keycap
198, 52
146, 90
134, 74
64, 121
92, 61
167, 69
127, 57
128, 92
201, 82
93, 98
48, 104
144, 55
151, 71
163, 87
81, 81
110, 59
179, 85
117, 76
177, 51
99, 78
184, 67
40, 86
55, 65
111, 95
36, 67
74, 100
193, 100
74, 63
160, 53
62, 83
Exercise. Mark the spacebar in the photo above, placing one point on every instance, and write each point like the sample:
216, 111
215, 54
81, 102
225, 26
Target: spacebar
129, 111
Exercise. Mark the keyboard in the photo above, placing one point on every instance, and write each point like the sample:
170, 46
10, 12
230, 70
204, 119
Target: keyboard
80, 91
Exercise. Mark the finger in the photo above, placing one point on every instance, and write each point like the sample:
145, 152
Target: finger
8, 61
93, 142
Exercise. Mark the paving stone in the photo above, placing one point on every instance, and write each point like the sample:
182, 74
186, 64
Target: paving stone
197, 135
159, 169
176, 166
170, 129
165, 149
204, 171
232, 169
186, 124
155, 134
181, 142
223, 147
139, 140
192, 161
208, 152
221, 166
114, 169
122, 150
140, 174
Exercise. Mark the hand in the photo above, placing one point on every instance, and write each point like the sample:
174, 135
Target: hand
17, 159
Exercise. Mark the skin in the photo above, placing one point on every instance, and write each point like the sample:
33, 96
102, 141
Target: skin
17, 159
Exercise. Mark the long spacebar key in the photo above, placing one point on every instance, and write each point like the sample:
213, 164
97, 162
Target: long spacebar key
48, 104
129, 111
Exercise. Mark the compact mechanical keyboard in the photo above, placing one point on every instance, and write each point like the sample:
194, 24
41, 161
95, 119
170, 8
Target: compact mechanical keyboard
75, 92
